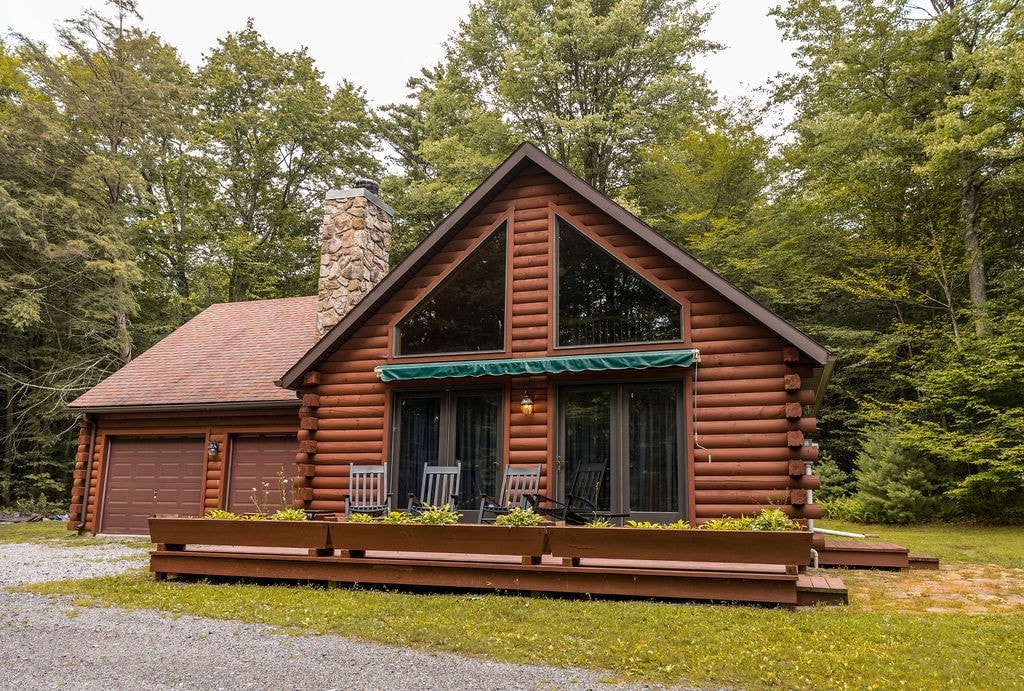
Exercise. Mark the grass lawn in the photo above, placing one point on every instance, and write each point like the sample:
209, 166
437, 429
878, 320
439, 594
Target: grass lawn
880, 640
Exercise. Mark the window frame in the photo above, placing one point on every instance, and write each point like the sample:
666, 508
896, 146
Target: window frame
447, 433
502, 225
557, 289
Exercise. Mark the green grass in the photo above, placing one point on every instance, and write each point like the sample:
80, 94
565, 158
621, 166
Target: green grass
695, 644
56, 533
999, 545
876, 642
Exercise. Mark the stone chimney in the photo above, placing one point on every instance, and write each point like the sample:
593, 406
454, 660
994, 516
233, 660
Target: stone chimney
354, 250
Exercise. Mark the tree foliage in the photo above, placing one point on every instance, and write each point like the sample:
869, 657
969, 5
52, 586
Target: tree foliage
595, 83
135, 192
903, 169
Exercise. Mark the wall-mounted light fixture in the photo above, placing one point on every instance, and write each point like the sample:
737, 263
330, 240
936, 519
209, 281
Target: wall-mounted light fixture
526, 405
214, 447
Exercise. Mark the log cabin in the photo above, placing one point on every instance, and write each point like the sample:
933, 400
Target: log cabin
539, 323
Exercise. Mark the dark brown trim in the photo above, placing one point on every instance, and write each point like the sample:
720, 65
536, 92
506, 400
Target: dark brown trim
186, 407
522, 157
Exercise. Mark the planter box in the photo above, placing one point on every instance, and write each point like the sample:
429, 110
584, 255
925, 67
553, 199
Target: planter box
791, 548
456, 539
175, 533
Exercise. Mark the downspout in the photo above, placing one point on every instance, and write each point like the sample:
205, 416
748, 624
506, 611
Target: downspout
809, 470
88, 472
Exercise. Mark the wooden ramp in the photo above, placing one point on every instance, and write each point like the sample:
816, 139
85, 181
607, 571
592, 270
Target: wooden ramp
870, 554
755, 584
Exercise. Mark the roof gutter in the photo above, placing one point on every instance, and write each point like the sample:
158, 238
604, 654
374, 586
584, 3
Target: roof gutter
185, 407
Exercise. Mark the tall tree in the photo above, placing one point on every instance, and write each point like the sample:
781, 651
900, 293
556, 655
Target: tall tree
592, 82
76, 134
276, 138
916, 111
903, 167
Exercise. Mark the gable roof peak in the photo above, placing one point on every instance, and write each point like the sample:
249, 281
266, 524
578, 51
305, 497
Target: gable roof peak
523, 156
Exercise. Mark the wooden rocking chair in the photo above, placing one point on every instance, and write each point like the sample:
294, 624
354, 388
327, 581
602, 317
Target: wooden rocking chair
519, 487
440, 486
581, 498
368, 490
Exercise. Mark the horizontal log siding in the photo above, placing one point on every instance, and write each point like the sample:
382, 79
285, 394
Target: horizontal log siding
213, 424
748, 397
742, 389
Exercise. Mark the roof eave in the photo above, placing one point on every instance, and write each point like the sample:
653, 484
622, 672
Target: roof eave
183, 407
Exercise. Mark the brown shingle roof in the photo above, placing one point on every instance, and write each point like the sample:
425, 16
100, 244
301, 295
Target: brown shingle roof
228, 353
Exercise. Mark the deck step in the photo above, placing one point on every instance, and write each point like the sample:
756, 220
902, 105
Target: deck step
862, 554
923, 562
821, 590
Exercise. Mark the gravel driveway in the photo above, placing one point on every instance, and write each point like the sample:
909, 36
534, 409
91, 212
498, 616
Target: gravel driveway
48, 643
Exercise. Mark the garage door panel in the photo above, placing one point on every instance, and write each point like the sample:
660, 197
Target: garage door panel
255, 460
138, 466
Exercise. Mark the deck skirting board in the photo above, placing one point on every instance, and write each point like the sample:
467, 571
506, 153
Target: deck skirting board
712, 584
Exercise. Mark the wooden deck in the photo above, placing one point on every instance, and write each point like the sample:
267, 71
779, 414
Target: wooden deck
702, 581
864, 554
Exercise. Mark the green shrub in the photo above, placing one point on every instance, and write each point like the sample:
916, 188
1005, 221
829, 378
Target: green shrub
399, 517
895, 484
289, 515
438, 515
844, 509
41, 505
648, 525
520, 517
599, 523
727, 523
361, 518
835, 482
222, 515
768, 519
774, 519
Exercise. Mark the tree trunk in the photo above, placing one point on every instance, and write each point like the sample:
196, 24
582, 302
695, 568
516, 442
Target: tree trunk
969, 206
9, 446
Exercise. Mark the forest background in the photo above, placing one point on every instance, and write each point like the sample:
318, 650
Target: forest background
882, 218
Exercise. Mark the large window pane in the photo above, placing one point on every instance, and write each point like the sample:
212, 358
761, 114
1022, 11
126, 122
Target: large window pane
419, 442
588, 436
653, 450
442, 428
602, 301
635, 431
476, 445
467, 313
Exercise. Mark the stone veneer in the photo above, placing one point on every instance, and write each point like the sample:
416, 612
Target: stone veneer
354, 250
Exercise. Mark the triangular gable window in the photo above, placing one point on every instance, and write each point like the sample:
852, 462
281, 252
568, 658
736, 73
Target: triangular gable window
602, 301
467, 312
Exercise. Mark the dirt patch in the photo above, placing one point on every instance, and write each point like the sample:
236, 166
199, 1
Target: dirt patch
955, 587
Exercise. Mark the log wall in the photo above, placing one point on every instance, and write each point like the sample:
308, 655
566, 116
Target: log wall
746, 400
214, 425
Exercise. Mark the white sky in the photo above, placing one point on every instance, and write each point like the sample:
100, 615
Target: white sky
379, 44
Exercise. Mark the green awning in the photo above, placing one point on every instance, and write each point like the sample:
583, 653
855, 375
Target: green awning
538, 365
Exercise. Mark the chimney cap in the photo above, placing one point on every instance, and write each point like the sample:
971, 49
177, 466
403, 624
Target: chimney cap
361, 192
367, 184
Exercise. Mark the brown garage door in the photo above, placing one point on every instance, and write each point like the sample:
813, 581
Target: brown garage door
150, 475
257, 459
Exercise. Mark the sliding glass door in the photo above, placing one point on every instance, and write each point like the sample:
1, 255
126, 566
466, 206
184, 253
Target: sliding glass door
445, 428
636, 431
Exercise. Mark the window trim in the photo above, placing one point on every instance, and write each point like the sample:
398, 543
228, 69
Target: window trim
446, 437
559, 217
502, 223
